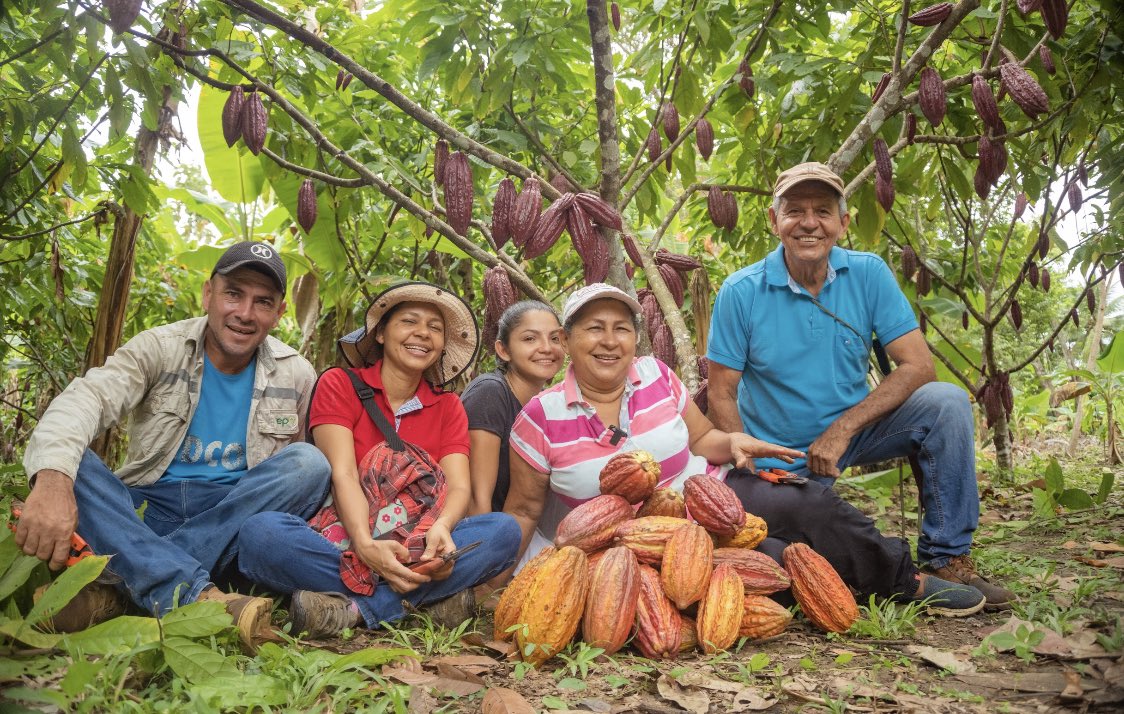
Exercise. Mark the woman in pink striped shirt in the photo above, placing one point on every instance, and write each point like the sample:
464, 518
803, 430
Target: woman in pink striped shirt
612, 401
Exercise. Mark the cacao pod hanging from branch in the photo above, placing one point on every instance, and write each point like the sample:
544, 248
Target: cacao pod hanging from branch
255, 122
503, 210
1055, 13
232, 116
932, 15
704, 138
458, 192
984, 101
440, 158
745, 81
931, 96
1024, 89
306, 205
669, 116
528, 206
122, 14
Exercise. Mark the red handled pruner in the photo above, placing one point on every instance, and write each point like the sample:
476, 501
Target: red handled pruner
79, 548
779, 476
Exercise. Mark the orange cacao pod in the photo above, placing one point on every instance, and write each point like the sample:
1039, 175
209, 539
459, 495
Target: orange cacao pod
458, 192
931, 96
592, 559
760, 574
553, 607
658, 625
688, 634
750, 535
713, 504
610, 607
664, 502
503, 209
632, 475
720, 612
763, 617
647, 536
591, 525
511, 600
255, 121
932, 15
824, 598
688, 559
232, 116
704, 138
306, 205
1024, 89
528, 206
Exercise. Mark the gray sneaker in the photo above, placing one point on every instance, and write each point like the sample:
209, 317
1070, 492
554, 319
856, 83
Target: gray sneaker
941, 597
453, 610
321, 615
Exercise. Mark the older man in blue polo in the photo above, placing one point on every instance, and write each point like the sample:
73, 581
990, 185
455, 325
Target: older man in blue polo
790, 341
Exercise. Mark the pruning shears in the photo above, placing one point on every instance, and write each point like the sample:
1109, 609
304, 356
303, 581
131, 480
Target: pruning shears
79, 548
425, 567
782, 477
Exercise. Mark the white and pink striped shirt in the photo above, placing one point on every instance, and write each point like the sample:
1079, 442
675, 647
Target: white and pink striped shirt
559, 434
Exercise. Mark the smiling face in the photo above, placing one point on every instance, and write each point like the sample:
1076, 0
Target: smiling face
241, 307
534, 347
808, 224
602, 344
412, 336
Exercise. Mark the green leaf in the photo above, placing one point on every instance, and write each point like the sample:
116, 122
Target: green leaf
235, 173
199, 619
17, 573
194, 661
245, 693
80, 673
1075, 498
571, 684
1044, 503
17, 630
1055, 481
117, 636
1111, 360
552, 702
1107, 480
370, 657
66, 586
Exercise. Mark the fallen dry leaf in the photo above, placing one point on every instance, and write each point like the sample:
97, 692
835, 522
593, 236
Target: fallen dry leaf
469, 663
501, 700
943, 658
1041, 682
1073, 692
750, 699
421, 701
695, 678
690, 698
407, 676
456, 687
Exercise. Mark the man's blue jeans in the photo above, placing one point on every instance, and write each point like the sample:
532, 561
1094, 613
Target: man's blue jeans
190, 527
935, 423
283, 553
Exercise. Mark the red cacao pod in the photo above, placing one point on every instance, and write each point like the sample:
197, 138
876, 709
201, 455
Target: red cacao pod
924, 281
232, 116
730, 210
615, 13
1028, 6
663, 345
716, 206
1091, 302
458, 192
664, 502
1032, 274
306, 205
674, 283
122, 14
1055, 13
255, 122
631, 475
440, 159
1020, 204
610, 606
745, 80
910, 128
528, 206
647, 536
932, 15
632, 248
592, 525
984, 101
884, 192
599, 210
1074, 194
909, 262
1044, 279
1024, 89
760, 574
823, 597
713, 504
704, 138
882, 163
1016, 315
503, 208
1043, 245
931, 96
880, 88
654, 145
678, 261
1047, 59
548, 227
658, 625
499, 293
981, 182
669, 116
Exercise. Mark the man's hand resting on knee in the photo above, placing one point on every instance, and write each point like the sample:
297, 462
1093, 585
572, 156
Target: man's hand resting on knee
49, 518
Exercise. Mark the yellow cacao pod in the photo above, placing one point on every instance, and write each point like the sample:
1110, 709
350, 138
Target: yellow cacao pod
720, 612
553, 607
763, 617
511, 600
688, 561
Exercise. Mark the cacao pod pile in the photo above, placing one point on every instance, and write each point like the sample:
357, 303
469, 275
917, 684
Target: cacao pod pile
254, 123
503, 210
714, 505
122, 14
232, 116
458, 192
931, 96
932, 15
704, 138
1024, 89
749, 535
652, 566
306, 205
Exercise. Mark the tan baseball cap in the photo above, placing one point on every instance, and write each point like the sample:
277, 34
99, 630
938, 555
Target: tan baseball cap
808, 171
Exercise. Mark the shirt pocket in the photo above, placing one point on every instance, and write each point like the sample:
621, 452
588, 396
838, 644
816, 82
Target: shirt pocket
278, 423
162, 414
851, 357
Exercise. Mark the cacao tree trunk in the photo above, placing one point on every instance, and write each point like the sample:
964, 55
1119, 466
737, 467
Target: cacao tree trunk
109, 320
1090, 364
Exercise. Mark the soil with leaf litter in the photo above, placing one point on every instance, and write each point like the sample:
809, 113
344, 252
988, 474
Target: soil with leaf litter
1060, 648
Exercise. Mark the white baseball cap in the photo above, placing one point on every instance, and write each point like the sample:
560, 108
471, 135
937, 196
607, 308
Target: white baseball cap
595, 291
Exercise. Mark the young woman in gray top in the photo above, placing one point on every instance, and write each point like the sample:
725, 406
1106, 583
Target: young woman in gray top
528, 356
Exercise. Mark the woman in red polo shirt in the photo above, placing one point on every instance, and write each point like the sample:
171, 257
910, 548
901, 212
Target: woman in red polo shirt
418, 337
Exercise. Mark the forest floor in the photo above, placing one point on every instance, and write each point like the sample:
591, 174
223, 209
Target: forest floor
1060, 648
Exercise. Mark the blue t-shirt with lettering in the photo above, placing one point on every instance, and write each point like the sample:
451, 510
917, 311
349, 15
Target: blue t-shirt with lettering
214, 448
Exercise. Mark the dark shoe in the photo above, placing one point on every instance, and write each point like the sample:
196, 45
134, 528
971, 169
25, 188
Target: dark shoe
320, 615
93, 605
250, 614
941, 597
453, 610
961, 569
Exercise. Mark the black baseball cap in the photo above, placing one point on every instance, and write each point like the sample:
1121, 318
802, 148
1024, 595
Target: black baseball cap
261, 257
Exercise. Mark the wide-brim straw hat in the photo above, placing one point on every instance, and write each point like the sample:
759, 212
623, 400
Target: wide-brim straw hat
462, 334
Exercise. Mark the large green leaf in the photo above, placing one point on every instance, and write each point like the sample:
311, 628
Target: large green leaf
198, 619
194, 661
235, 173
1111, 360
117, 636
66, 586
